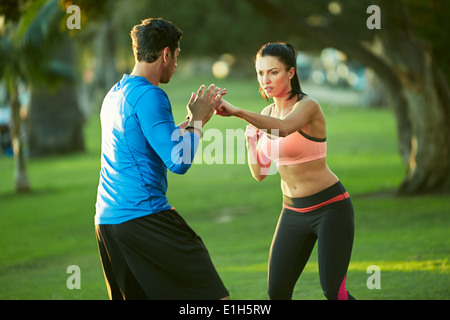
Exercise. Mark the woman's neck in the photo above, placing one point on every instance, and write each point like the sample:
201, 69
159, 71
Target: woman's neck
284, 102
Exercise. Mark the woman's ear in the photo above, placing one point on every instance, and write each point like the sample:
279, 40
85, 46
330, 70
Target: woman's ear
291, 73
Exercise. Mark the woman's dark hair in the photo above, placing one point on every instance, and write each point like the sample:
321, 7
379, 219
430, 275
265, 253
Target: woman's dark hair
287, 54
152, 36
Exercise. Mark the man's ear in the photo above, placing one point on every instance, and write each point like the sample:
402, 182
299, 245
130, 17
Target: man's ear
166, 54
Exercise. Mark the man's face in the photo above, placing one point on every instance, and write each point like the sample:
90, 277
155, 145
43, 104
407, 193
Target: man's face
170, 66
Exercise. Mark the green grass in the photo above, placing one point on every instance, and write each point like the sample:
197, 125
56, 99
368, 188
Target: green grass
44, 232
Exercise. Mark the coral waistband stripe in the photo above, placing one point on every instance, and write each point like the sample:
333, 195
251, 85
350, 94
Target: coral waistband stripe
320, 205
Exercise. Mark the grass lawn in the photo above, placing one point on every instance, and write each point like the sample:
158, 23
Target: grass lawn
45, 232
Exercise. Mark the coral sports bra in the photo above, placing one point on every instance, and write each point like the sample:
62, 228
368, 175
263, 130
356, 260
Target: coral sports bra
298, 147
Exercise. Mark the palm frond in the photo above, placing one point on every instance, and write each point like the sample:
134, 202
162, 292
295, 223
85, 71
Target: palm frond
37, 34
39, 26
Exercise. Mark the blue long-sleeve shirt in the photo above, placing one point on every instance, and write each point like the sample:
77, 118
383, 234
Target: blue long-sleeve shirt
139, 143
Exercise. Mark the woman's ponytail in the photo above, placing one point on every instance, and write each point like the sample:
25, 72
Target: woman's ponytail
295, 82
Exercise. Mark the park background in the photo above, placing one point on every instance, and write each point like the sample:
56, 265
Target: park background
384, 93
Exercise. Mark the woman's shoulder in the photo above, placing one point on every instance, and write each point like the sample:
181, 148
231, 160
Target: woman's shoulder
307, 102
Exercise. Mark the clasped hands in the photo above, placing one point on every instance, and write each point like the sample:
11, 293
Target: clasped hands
203, 104
226, 109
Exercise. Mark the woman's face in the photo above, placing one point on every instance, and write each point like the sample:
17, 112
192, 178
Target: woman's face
273, 77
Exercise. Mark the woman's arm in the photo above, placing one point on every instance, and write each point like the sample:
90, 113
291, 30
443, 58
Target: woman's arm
258, 163
300, 115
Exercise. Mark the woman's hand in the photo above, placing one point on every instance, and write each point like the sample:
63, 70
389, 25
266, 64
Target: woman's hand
252, 133
226, 109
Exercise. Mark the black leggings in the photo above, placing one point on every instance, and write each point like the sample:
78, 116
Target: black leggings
326, 216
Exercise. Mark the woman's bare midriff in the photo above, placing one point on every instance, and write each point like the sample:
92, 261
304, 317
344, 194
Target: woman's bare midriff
305, 179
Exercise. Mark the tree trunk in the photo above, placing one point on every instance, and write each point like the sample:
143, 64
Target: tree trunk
417, 89
427, 149
427, 168
55, 122
21, 182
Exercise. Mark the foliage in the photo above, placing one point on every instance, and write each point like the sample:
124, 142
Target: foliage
26, 44
430, 21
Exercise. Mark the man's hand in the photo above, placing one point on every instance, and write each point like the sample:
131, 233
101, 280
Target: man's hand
202, 105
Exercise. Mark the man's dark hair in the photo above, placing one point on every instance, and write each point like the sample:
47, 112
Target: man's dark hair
152, 36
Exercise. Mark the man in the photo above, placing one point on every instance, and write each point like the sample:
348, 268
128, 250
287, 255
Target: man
146, 248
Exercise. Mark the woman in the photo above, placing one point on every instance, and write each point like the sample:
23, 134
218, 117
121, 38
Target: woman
291, 132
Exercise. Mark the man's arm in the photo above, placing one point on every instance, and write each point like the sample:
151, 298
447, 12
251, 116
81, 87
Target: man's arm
175, 147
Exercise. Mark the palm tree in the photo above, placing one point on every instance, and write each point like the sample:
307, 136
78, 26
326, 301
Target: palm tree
22, 60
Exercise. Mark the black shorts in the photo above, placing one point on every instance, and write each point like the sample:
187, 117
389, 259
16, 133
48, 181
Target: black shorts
157, 257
